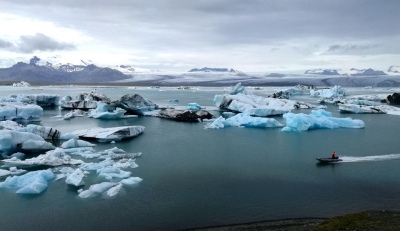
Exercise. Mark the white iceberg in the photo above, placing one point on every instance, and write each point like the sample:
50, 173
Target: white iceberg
334, 92
317, 120
110, 134
21, 84
10, 125
131, 180
30, 183
20, 111
75, 143
11, 171
75, 178
244, 120
256, 105
112, 172
51, 158
114, 191
96, 189
237, 89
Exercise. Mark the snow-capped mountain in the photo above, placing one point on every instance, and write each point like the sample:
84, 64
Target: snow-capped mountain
341, 72
323, 72
365, 72
216, 70
41, 71
394, 69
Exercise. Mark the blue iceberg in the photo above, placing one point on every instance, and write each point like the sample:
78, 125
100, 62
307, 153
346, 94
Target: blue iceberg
318, 119
243, 120
29, 183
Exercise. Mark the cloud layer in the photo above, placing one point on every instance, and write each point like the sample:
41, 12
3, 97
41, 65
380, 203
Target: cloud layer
233, 33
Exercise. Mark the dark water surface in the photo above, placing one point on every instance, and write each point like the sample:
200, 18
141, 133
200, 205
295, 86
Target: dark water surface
194, 177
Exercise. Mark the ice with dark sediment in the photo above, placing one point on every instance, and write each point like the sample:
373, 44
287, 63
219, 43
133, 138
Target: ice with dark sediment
366, 109
110, 134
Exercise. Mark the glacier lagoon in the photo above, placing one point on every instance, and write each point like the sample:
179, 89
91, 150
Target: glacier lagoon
196, 177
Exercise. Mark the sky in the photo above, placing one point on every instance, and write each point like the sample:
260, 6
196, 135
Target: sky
250, 36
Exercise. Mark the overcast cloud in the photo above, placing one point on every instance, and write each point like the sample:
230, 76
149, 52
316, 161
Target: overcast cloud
180, 34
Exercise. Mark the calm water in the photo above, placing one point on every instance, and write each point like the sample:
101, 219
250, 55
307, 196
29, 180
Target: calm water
194, 177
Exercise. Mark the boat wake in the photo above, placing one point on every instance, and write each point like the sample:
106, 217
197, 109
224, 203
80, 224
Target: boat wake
369, 158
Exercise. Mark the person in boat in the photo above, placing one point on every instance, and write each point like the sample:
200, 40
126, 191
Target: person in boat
334, 156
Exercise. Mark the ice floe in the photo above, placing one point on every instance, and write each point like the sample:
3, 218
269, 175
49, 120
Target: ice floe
20, 111
30, 183
334, 92
243, 120
318, 119
12, 141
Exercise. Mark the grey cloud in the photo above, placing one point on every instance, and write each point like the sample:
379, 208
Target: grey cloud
349, 48
41, 42
5, 44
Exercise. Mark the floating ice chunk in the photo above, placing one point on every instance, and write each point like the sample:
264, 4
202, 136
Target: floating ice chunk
116, 156
334, 92
102, 111
47, 133
11, 171
131, 180
244, 120
318, 119
174, 100
362, 102
9, 125
194, 106
114, 191
75, 178
21, 84
256, 105
111, 172
74, 143
96, 189
29, 183
51, 158
379, 109
20, 111
12, 141
44, 100
110, 134
136, 104
237, 89
96, 166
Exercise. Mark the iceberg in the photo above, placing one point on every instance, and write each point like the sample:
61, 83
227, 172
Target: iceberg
30, 183
185, 115
75, 178
21, 84
135, 104
9, 125
96, 189
194, 106
318, 119
43, 100
74, 113
12, 141
244, 120
110, 134
114, 191
334, 92
112, 172
46, 133
365, 109
131, 180
237, 89
256, 105
102, 112
20, 111
11, 171
51, 158
74, 143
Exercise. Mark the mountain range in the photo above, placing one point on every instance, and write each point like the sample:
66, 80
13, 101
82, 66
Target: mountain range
40, 71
